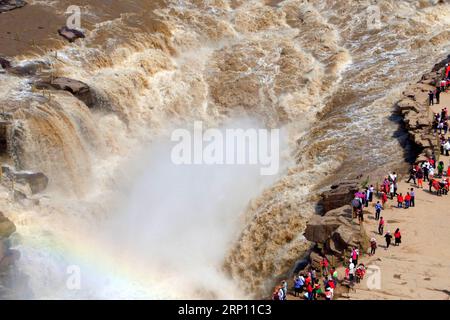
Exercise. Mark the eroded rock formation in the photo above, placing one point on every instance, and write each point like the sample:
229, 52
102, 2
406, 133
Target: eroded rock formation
79, 89
340, 194
336, 233
416, 114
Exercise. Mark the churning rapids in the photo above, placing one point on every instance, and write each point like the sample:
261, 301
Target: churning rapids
137, 226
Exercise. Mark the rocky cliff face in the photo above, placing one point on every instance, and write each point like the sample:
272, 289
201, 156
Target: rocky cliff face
336, 233
341, 194
416, 114
22, 187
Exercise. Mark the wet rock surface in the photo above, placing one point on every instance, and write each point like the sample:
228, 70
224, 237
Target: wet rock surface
36, 181
5, 63
8, 5
7, 227
79, 89
70, 34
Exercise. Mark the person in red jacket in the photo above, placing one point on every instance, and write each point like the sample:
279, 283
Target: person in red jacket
381, 226
398, 237
308, 279
309, 289
400, 200
407, 200
384, 199
331, 284
324, 264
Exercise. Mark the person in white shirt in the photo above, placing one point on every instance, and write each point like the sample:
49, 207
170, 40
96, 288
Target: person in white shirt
392, 190
351, 268
393, 176
447, 148
371, 191
281, 295
426, 170
431, 173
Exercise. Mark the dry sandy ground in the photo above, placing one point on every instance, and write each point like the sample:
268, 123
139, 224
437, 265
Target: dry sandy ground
420, 267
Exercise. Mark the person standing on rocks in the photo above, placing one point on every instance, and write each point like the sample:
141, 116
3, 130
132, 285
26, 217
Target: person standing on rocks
355, 255
437, 93
324, 263
299, 282
435, 124
361, 216
430, 98
313, 275
388, 238
278, 293
351, 273
356, 206
284, 286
